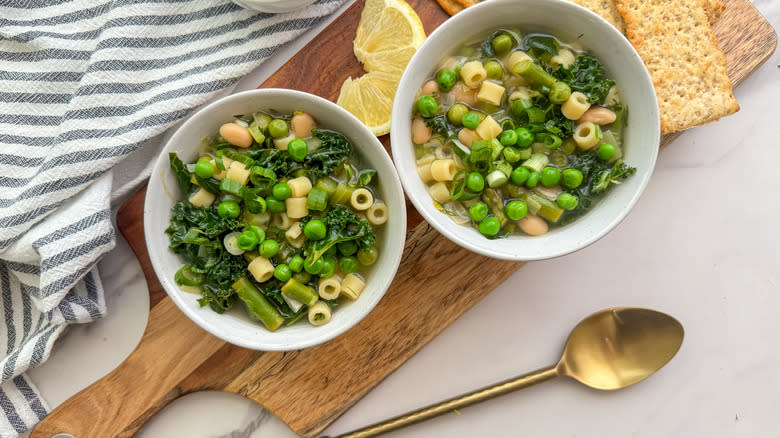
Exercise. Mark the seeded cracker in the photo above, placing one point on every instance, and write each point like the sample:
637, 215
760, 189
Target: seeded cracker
716, 8
606, 9
450, 6
682, 54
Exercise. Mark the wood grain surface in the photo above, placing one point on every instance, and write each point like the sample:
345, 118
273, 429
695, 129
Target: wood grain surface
310, 388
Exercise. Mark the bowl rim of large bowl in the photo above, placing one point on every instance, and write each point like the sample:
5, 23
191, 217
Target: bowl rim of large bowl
392, 183
400, 141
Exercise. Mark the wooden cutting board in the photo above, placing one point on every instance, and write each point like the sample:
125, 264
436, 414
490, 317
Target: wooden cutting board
308, 389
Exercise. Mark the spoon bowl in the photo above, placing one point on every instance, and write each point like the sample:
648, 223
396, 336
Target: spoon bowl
608, 350
618, 347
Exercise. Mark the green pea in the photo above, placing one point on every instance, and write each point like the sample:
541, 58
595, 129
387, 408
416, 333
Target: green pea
282, 272
509, 137
281, 191
204, 169
572, 178
490, 226
275, 205
268, 248
550, 176
502, 44
258, 232
559, 93
533, 179
298, 149
511, 154
494, 70
569, 146
606, 151
329, 266
567, 201
470, 120
427, 106
446, 80
516, 210
551, 141
478, 211
313, 267
332, 251
247, 241
456, 112
278, 128
315, 230
347, 248
228, 209
302, 277
519, 175
296, 264
475, 182
348, 264
524, 137
367, 257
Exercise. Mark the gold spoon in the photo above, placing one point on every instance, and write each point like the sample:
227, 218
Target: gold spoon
608, 350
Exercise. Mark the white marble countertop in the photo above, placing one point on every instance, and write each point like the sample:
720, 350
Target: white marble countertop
703, 244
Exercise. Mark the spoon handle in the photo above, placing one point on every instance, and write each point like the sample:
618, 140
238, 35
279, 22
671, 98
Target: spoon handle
460, 401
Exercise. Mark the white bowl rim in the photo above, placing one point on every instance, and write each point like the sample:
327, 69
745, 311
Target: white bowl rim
398, 143
166, 278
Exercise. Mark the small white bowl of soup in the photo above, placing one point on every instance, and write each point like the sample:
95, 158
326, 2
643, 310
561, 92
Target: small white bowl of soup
525, 130
224, 148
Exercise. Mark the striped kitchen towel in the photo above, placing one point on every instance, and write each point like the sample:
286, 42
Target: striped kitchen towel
83, 85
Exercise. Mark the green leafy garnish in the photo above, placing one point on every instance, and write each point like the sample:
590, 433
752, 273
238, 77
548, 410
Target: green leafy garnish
182, 176
586, 75
343, 225
331, 154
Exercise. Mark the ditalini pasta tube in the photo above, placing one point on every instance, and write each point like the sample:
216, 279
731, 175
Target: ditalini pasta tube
319, 313
329, 288
352, 286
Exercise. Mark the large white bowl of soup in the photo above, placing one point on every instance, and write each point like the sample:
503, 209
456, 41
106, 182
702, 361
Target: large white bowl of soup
525, 130
274, 219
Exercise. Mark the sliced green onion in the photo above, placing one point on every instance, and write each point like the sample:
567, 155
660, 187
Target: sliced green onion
496, 178
262, 177
300, 292
317, 199
227, 185
231, 243
244, 159
550, 141
187, 277
536, 162
458, 185
218, 160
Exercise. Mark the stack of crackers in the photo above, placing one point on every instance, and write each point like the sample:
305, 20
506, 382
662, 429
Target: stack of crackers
679, 48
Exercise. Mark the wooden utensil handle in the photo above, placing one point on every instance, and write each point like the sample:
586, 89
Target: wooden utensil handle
117, 405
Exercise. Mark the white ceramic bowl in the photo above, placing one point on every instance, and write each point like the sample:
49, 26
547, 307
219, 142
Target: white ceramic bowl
569, 22
274, 6
235, 326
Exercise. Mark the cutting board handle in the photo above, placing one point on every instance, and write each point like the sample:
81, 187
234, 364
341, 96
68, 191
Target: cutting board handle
118, 405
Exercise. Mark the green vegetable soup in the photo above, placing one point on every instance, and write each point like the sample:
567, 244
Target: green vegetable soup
279, 216
519, 133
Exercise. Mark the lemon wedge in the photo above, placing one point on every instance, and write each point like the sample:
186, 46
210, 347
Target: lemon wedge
388, 34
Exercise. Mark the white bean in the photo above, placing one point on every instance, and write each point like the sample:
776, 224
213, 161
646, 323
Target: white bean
533, 225
302, 125
598, 115
464, 94
236, 135
429, 88
421, 133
